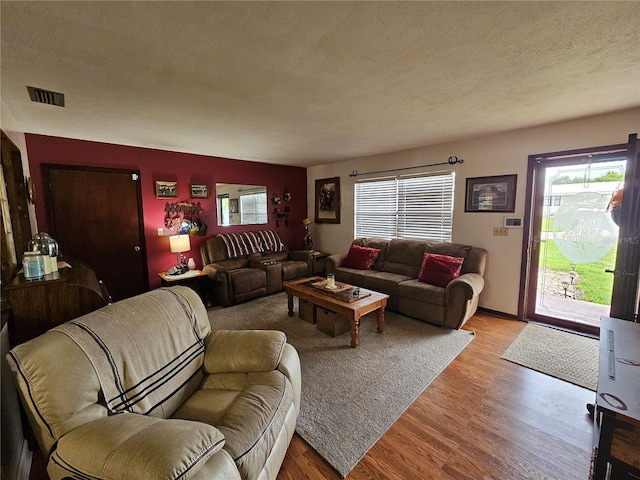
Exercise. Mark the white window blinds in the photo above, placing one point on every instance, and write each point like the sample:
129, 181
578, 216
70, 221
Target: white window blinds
253, 208
405, 207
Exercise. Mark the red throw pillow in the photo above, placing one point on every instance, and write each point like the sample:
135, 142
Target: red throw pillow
439, 270
361, 258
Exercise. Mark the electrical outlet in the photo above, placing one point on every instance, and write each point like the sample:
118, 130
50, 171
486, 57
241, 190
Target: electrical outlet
500, 232
160, 232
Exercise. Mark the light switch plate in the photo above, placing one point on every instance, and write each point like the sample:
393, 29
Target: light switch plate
160, 232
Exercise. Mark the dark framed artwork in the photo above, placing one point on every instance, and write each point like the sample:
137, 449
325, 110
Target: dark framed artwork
233, 205
328, 200
491, 194
199, 191
166, 189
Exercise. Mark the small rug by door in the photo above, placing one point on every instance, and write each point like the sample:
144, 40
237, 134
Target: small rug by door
351, 396
568, 356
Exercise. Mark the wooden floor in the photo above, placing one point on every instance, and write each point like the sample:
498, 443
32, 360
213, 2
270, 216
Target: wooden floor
482, 418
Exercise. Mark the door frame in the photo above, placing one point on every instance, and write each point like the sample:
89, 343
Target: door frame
534, 195
46, 180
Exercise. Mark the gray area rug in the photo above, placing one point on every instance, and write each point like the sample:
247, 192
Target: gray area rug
351, 396
568, 356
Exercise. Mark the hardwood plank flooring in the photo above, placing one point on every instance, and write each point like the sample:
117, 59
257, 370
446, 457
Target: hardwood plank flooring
482, 418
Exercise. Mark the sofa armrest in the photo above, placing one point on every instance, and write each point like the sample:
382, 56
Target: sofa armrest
332, 262
290, 366
273, 269
469, 284
461, 299
132, 446
228, 351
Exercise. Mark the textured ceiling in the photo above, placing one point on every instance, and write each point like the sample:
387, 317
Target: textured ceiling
307, 83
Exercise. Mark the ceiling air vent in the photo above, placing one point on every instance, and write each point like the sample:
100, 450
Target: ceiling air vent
45, 96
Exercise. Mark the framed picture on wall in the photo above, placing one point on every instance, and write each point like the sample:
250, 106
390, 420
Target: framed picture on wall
166, 189
491, 194
328, 200
199, 191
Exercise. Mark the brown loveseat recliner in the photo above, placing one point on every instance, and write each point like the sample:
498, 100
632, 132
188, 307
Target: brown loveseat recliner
247, 265
143, 389
396, 271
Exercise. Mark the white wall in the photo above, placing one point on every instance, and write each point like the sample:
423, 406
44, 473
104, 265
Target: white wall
500, 154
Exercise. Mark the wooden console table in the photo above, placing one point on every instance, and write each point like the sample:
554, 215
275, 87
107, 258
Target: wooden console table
616, 426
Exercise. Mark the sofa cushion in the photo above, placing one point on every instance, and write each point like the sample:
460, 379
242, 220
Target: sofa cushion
423, 292
360, 258
450, 249
292, 269
351, 276
439, 270
248, 408
273, 257
404, 256
137, 446
247, 279
384, 282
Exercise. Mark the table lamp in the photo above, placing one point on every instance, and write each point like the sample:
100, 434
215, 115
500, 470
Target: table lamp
179, 244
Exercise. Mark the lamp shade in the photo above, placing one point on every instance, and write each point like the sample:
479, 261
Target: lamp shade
306, 221
179, 243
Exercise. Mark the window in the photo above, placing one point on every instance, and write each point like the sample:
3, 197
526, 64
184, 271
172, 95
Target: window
405, 207
253, 208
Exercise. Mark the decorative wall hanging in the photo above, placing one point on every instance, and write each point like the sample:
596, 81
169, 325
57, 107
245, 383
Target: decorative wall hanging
275, 199
167, 189
184, 217
491, 194
199, 191
286, 195
328, 200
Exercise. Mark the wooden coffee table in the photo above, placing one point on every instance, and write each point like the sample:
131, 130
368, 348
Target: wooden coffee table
353, 309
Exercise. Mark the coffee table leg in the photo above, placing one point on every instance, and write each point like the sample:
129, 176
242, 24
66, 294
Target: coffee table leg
381, 320
355, 330
290, 304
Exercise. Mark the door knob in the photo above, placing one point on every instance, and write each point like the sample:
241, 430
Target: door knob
136, 248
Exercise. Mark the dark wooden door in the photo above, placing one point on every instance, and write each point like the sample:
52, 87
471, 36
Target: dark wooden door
626, 286
95, 215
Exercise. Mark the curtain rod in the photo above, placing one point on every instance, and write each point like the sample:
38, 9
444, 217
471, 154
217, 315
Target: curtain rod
451, 161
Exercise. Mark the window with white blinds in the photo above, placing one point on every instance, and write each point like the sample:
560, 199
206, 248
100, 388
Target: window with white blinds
405, 207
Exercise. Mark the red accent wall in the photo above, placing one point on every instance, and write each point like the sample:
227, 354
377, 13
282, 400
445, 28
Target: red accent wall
183, 168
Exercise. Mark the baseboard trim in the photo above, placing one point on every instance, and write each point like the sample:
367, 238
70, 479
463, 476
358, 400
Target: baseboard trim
498, 314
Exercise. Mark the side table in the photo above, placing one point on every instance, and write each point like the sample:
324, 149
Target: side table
194, 279
616, 426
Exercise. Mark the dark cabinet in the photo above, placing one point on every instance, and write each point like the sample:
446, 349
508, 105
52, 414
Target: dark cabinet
39, 305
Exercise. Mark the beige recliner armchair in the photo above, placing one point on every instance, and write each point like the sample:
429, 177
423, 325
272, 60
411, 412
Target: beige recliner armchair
143, 389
